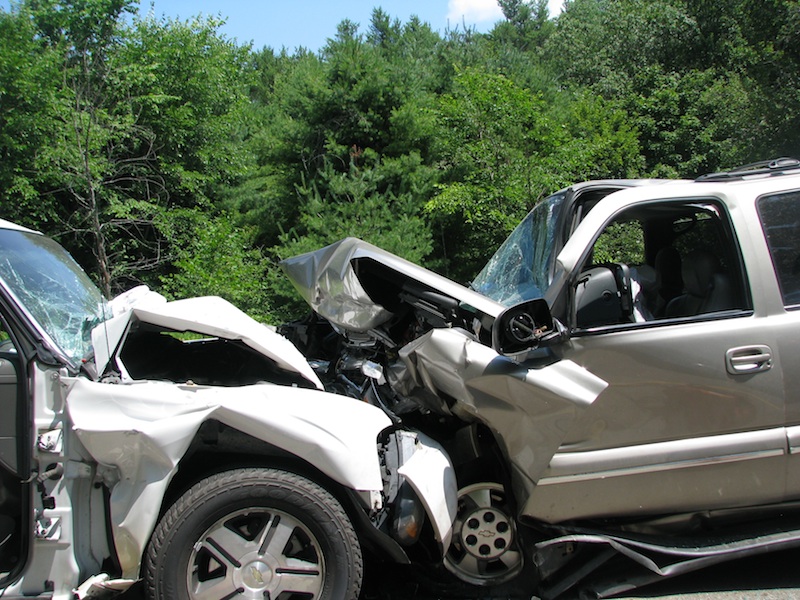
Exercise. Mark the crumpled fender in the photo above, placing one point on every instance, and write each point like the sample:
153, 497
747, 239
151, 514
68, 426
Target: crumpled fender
533, 403
142, 430
431, 475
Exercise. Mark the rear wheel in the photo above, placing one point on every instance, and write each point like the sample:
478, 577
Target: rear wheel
254, 533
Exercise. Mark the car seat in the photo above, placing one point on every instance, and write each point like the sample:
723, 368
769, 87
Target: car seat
707, 289
669, 282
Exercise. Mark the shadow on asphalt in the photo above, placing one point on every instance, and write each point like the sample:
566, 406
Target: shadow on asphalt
754, 577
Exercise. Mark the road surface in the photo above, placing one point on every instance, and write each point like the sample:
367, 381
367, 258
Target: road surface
770, 577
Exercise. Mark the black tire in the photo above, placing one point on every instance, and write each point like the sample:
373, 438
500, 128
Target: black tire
254, 533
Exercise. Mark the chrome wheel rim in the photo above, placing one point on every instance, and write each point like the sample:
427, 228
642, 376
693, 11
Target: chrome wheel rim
256, 553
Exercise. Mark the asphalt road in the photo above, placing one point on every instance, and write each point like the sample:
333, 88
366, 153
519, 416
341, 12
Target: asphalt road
773, 576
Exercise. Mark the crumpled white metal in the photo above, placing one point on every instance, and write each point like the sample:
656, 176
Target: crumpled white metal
210, 315
139, 432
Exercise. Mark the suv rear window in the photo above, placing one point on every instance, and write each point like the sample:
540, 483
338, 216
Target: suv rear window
780, 218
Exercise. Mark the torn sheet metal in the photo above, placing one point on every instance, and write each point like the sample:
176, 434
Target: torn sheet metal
669, 558
209, 315
328, 279
534, 404
102, 586
325, 279
139, 432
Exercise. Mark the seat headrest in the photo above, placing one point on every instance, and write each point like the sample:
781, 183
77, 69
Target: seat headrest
698, 270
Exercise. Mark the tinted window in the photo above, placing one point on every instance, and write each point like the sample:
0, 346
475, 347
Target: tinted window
780, 217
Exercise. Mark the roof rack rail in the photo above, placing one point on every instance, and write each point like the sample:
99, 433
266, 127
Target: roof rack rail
769, 168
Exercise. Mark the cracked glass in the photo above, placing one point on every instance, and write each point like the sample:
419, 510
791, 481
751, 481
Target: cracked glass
52, 288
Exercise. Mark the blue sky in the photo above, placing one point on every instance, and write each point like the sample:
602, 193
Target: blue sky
309, 23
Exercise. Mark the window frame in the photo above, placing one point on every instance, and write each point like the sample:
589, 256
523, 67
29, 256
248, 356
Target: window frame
737, 269
777, 269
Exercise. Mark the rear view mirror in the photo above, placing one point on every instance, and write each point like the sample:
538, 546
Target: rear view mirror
524, 327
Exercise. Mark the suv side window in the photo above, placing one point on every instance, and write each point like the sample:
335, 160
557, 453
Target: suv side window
780, 218
659, 261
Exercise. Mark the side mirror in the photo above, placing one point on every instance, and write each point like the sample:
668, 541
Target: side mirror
525, 327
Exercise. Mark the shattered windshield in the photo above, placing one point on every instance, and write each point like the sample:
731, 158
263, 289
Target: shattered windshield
53, 289
521, 268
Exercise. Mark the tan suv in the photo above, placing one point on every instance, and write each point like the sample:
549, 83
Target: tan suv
616, 388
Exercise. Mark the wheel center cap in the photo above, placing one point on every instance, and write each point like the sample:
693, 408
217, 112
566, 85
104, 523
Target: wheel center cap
486, 534
256, 575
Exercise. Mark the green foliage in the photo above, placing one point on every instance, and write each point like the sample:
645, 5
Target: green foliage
527, 25
603, 43
620, 243
708, 85
491, 132
215, 258
693, 121
597, 140
506, 150
159, 151
133, 121
29, 78
188, 86
375, 200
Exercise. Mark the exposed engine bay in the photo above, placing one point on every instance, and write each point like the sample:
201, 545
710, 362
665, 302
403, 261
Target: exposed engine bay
153, 353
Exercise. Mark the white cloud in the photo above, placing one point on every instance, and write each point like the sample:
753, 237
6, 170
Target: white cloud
486, 11
555, 6
473, 11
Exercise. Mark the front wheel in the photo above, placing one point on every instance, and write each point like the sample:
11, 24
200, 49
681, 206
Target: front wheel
254, 533
485, 549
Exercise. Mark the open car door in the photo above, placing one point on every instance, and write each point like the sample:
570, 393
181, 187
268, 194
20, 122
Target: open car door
14, 461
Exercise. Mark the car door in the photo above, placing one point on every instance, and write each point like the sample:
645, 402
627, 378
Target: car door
779, 219
693, 416
12, 460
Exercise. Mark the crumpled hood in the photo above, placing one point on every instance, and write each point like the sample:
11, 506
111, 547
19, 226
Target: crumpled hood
209, 315
331, 281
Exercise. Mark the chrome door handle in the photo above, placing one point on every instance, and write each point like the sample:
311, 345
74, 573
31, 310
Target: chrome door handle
748, 359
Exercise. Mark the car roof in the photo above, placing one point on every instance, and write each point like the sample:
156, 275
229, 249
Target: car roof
765, 168
13, 226
621, 183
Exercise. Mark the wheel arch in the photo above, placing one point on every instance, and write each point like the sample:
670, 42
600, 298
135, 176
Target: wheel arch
206, 541
217, 448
